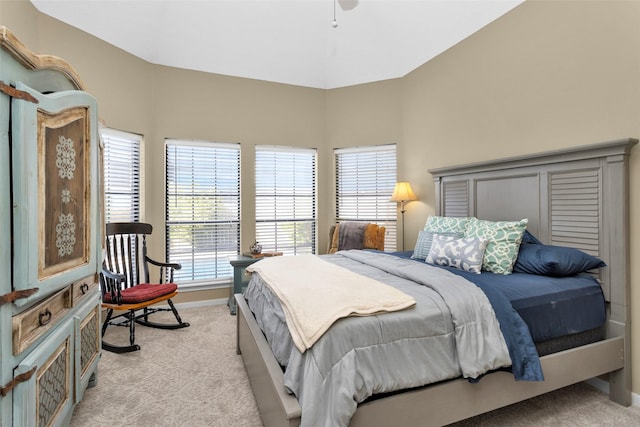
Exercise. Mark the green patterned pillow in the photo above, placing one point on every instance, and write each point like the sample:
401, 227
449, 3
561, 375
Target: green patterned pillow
446, 224
504, 239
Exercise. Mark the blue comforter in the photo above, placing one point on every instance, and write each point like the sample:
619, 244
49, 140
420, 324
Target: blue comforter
522, 350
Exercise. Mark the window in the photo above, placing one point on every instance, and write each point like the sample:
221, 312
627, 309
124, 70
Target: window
365, 178
286, 199
122, 175
203, 208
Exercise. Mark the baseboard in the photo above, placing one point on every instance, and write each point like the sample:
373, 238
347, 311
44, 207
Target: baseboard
603, 386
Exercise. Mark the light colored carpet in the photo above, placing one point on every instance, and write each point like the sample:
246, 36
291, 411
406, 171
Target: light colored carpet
183, 377
193, 377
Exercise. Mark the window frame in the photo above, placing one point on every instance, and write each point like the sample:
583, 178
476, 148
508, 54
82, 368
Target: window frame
292, 211
134, 169
226, 214
369, 200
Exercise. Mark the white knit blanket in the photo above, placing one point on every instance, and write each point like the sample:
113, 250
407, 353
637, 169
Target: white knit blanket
315, 293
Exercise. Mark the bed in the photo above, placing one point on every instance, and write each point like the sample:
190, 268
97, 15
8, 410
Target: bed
550, 190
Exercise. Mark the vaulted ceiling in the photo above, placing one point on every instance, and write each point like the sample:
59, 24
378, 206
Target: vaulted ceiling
287, 41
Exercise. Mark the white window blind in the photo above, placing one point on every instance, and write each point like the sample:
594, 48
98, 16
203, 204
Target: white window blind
122, 175
365, 178
203, 208
286, 199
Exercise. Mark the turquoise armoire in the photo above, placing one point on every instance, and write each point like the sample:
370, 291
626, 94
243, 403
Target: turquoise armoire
50, 228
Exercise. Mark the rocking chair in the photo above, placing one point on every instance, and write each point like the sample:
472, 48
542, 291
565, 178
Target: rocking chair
125, 262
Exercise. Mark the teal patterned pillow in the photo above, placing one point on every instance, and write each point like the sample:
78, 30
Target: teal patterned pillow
423, 244
446, 224
464, 254
504, 239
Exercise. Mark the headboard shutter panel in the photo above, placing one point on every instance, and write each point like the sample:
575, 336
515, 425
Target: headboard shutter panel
575, 210
456, 199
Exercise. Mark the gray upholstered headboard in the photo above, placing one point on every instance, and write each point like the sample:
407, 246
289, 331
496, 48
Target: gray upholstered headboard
576, 197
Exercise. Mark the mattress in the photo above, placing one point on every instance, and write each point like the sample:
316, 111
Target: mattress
552, 307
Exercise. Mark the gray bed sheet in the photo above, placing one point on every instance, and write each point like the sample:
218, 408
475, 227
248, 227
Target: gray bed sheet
451, 332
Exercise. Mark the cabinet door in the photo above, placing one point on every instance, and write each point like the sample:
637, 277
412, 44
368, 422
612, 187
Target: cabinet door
87, 343
46, 398
55, 189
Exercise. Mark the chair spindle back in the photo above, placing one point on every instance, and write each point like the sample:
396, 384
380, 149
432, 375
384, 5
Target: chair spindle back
126, 250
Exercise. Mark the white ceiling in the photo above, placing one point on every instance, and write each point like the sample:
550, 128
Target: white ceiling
285, 41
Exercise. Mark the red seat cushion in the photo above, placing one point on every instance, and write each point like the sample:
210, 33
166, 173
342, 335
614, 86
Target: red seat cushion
143, 292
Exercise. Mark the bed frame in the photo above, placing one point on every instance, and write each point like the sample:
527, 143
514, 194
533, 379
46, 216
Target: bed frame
575, 197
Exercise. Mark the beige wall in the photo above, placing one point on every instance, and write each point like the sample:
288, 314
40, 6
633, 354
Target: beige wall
367, 114
546, 75
195, 105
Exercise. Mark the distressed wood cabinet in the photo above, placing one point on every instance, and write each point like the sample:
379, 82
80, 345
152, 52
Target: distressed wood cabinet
50, 229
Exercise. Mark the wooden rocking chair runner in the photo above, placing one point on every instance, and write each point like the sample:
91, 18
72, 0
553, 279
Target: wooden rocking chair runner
126, 261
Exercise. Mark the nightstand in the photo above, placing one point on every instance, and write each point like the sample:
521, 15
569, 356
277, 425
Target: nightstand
240, 277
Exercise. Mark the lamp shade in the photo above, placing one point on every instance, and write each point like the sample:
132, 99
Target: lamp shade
403, 192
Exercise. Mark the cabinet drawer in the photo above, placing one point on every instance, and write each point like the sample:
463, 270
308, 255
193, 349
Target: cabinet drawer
31, 324
81, 288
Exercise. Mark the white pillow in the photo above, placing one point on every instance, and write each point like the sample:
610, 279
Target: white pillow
423, 244
462, 253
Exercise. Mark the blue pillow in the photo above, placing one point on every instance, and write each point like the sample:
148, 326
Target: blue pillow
556, 261
529, 238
